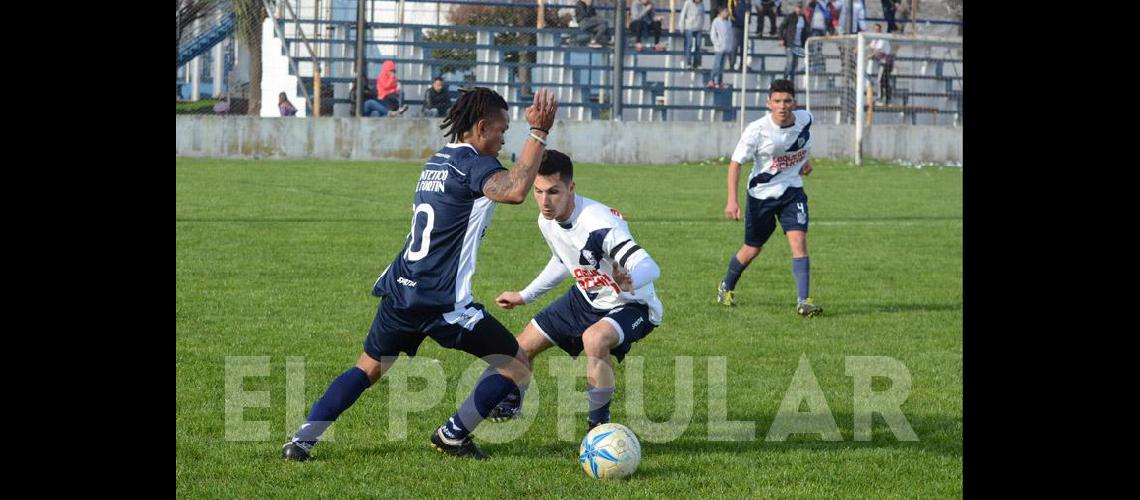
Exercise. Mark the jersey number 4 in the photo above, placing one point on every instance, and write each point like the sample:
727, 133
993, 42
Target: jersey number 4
424, 235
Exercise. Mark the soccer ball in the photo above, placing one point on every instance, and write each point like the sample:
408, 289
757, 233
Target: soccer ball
610, 451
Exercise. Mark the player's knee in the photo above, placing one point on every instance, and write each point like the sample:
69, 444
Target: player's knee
516, 372
599, 340
372, 368
525, 359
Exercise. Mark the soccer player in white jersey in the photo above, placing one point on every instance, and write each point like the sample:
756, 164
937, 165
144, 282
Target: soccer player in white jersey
778, 145
611, 304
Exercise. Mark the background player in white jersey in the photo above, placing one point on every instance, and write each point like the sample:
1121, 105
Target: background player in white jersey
778, 145
612, 303
426, 289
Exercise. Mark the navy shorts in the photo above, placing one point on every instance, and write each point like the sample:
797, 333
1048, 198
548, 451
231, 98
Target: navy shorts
473, 331
565, 320
760, 220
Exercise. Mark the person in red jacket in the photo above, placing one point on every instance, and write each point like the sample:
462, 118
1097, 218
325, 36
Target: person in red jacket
388, 88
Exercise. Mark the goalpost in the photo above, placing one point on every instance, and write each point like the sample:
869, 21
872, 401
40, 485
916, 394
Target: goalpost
920, 83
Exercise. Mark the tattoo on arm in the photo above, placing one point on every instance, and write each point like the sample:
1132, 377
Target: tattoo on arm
501, 184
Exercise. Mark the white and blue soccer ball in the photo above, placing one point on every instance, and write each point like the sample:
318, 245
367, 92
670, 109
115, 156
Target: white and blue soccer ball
610, 451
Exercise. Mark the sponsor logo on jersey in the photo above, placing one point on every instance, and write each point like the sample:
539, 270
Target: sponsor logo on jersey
783, 162
589, 279
406, 282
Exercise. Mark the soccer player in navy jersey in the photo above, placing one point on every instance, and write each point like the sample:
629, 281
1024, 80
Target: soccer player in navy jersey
611, 304
426, 290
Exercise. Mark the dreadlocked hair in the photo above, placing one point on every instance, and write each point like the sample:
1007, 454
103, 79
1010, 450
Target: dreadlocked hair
473, 105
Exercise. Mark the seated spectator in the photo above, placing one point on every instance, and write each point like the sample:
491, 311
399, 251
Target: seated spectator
222, 106
642, 17
388, 89
436, 99
590, 22
372, 106
286, 107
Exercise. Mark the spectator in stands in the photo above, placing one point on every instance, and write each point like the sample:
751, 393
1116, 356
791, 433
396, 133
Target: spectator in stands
286, 107
222, 106
713, 7
833, 9
436, 99
880, 56
736, 10
857, 10
722, 35
693, 15
590, 22
643, 17
388, 89
889, 13
769, 9
372, 106
819, 18
792, 38
902, 15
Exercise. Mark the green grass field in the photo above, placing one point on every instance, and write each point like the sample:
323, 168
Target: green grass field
277, 258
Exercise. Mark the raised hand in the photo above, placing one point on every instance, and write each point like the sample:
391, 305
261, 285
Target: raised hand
543, 110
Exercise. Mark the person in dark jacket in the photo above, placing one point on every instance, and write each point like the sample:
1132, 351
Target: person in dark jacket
436, 100
792, 37
590, 22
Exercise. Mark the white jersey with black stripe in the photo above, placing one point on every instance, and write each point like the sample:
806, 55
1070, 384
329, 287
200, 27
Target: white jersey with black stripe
590, 244
777, 154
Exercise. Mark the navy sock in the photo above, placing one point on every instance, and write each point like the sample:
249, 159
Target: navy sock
734, 270
801, 269
488, 392
599, 398
514, 398
340, 395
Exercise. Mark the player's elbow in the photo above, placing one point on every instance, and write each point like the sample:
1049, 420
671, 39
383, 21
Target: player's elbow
652, 272
510, 198
513, 198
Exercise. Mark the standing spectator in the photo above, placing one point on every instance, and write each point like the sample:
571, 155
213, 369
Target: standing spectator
833, 8
286, 107
880, 55
436, 100
388, 89
736, 11
693, 24
769, 9
722, 35
714, 7
819, 20
902, 15
792, 40
848, 9
643, 17
889, 13
590, 22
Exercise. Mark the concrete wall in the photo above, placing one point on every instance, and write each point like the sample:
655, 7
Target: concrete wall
587, 141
